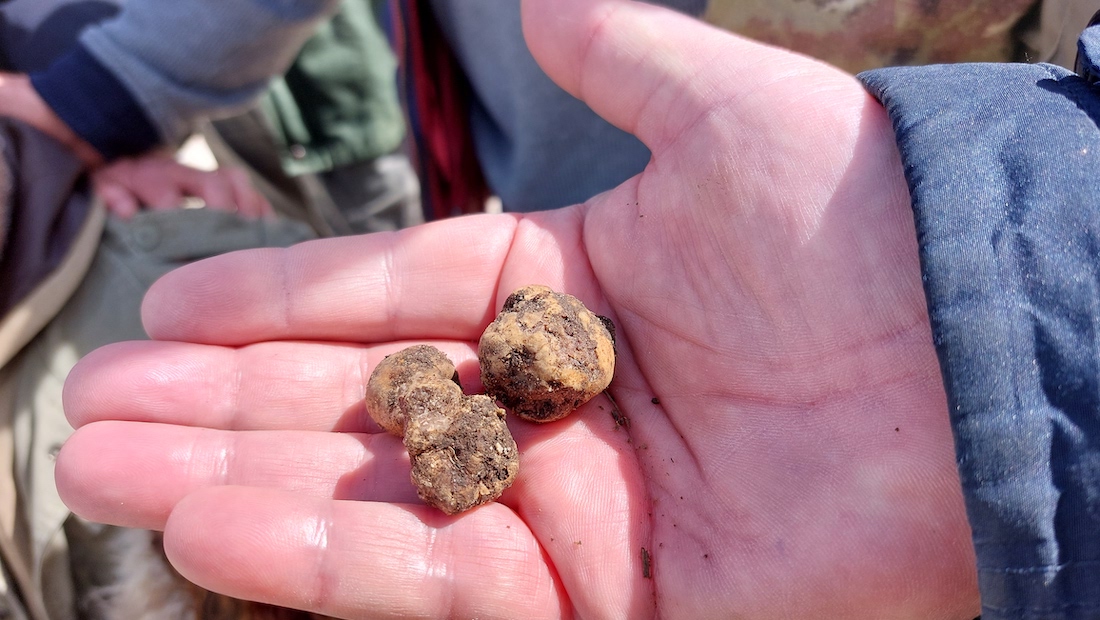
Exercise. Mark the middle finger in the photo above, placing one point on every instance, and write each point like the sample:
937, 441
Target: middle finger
266, 386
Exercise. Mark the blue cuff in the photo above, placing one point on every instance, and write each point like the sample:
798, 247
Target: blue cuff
1001, 163
95, 105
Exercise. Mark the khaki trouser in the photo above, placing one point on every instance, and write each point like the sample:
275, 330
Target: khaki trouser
50, 557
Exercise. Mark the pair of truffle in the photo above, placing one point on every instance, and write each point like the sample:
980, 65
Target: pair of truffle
542, 357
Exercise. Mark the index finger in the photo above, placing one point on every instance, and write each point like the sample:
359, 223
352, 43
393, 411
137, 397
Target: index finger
433, 281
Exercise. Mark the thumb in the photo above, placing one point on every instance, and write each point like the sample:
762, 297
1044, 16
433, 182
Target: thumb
654, 72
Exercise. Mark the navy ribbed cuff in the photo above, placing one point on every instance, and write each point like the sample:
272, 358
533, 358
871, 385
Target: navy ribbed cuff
95, 105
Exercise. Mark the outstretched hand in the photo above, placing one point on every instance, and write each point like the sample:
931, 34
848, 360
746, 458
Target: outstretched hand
787, 451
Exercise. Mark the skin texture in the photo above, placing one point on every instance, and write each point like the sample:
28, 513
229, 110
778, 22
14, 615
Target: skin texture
763, 278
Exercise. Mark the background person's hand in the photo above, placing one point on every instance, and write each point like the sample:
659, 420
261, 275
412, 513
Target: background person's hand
158, 182
788, 453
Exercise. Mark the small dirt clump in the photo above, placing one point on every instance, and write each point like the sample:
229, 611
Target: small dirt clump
546, 354
461, 451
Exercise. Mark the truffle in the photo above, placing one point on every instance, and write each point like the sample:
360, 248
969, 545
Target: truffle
546, 354
461, 451
388, 389
461, 457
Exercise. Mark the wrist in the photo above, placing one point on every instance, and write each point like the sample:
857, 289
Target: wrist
20, 100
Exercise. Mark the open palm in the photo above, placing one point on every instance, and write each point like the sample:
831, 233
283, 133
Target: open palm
778, 443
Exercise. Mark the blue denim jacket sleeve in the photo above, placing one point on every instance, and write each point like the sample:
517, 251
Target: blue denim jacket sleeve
1003, 166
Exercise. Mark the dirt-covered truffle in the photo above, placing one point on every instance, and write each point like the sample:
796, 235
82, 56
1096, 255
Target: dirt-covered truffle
462, 457
461, 451
546, 354
389, 386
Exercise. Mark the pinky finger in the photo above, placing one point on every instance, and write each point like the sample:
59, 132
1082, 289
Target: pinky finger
361, 559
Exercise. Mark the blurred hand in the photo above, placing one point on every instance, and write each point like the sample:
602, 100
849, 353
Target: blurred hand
788, 452
158, 182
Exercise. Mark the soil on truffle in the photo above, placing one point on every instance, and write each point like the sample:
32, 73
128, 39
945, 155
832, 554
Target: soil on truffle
462, 455
387, 396
545, 354
461, 451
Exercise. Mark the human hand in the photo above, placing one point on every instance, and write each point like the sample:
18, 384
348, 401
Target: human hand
19, 100
158, 182
788, 453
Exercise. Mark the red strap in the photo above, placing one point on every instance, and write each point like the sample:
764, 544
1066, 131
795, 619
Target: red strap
451, 178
